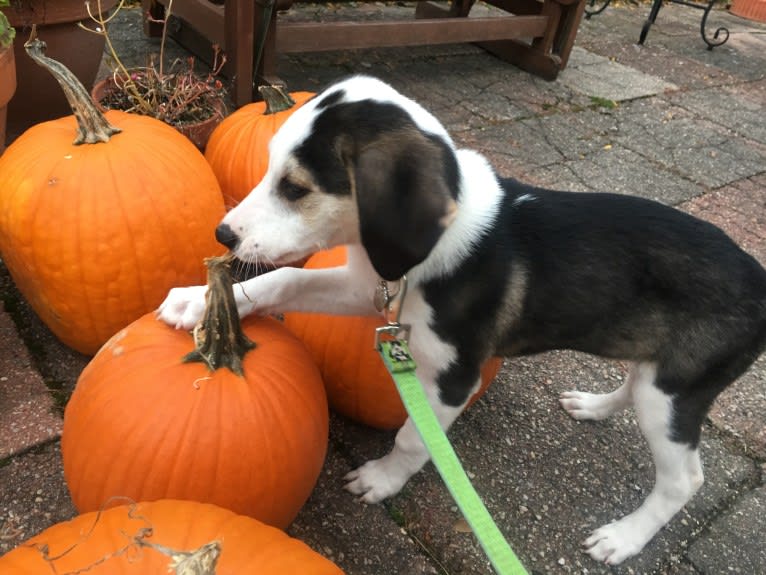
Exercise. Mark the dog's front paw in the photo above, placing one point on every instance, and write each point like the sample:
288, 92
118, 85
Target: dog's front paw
615, 542
376, 480
183, 307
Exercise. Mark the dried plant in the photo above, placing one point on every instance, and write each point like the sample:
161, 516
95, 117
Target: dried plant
7, 32
175, 94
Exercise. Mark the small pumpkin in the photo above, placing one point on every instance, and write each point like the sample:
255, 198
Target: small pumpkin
238, 419
358, 385
238, 149
180, 537
81, 223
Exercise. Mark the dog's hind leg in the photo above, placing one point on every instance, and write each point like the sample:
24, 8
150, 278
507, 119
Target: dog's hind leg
678, 474
596, 406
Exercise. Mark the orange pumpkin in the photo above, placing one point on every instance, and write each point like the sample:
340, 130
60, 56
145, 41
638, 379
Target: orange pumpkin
151, 538
238, 149
358, 384
80, 223
247, 430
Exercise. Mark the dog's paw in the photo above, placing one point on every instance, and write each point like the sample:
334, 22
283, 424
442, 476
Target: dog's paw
581, 405
183, 307
376, 480
615, 542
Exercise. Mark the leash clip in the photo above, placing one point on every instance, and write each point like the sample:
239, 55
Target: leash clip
390, 305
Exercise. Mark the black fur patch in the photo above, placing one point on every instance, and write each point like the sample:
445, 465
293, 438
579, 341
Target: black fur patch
346, 128
329, 98
405, 178
615, 276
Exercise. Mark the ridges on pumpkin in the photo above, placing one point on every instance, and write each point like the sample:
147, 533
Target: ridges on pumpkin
95, 234
137, 539
143, 423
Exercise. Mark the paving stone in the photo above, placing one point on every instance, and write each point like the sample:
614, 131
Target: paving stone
735, 542
699, 150
33, 495
545, 140
741, 55
26, 408
656, 60
546, 478
601, 77
338, 526
549, 480
618, 170
729, 107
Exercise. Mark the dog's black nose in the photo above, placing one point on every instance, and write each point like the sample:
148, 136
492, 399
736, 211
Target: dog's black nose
225, 235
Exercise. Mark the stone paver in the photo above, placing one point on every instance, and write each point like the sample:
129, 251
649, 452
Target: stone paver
26, 406
601, 77
735, 543
685, 128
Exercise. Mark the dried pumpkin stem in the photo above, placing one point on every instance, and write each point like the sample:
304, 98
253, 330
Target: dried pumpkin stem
276, 98
220, 341
202, 561
92, 126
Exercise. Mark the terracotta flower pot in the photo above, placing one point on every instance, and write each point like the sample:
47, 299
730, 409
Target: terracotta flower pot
38, 96
7, 88
198, 133
750, 9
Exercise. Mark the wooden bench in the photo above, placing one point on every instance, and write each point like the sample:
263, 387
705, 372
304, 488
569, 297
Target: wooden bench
535, 35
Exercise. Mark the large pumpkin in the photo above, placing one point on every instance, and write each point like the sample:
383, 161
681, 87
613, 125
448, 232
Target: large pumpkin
358, 385
180, 537
247, 430
238, 149
80, 223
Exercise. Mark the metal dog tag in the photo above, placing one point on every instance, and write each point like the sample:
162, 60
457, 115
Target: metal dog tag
384, 295
382, 298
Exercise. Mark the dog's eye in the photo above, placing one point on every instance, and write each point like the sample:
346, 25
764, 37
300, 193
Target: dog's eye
291, 191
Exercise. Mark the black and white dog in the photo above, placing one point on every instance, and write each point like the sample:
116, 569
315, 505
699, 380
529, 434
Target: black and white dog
497, 267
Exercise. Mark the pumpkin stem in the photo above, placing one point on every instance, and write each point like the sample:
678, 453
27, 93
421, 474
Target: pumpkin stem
202, 561
92, 126
276, 98
219, 339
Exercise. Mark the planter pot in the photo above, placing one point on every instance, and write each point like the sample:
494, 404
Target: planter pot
7, 88
38, 96
750, 9
198, 133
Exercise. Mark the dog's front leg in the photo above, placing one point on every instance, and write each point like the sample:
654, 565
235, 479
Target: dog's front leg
381, 478
384, 477
345, 290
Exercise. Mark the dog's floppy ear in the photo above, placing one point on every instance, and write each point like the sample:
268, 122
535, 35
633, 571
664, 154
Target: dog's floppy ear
404, 185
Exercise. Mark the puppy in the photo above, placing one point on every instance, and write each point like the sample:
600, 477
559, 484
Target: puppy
497, 267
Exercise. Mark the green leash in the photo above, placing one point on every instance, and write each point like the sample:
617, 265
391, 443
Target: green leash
396, 356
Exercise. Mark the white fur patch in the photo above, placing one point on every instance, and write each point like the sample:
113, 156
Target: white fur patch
478, 204
678, 475
381, 478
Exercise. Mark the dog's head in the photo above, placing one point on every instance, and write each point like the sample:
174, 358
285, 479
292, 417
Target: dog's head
357, 163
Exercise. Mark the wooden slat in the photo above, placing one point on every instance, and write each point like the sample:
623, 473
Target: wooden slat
320, 36
518, 6
525, 57
205, 17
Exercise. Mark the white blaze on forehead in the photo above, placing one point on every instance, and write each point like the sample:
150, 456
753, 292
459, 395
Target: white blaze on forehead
367, 88
299, 125
291, 134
